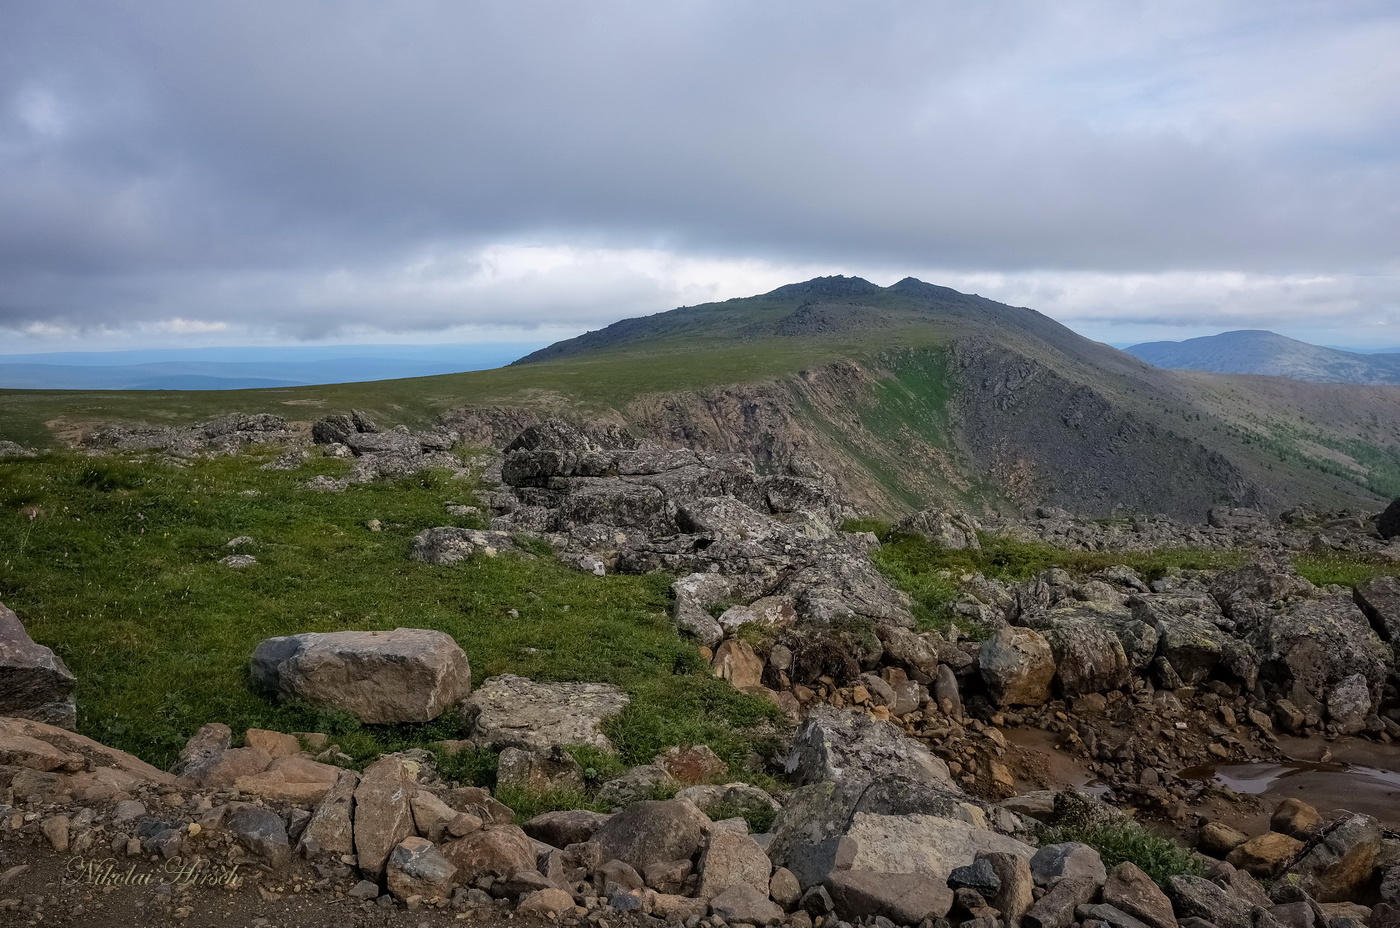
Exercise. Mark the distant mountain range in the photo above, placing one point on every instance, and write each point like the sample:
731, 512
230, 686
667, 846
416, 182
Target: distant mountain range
1255, 351
246, 368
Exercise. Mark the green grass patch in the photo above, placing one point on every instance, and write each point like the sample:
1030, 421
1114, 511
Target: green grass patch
1125, 840
113, 563
1343, 569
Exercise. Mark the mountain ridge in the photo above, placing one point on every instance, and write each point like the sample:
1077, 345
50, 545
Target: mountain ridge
1259, 351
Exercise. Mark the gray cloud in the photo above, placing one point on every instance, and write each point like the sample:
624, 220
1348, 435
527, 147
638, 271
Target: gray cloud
311, 167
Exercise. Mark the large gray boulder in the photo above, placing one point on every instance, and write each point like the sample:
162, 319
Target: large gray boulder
1018, 666
1098, 646
947, 528
1379, 598
848, 744
34, 682
381, 678
511, 711
1309, 647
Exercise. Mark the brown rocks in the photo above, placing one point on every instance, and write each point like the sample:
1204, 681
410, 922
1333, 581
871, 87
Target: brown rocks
331, 828
743, 903
1132, 891
1295, 818
539, 771
560, 829
1220, 839
417, 868
34, 682
1336, 867
545, 903
651, 831
499, 851
731, 859
1056, 909
1015, 895
290, 779
1265, 856
692, 766
736, 661
383, 814
1018, 666
274, 743
431, 816
903, 898
382, 678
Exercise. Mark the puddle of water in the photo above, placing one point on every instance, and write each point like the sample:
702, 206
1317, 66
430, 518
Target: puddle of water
1330, 787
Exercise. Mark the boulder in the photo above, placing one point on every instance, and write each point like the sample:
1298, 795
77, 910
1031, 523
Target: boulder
946, 528
1295, 818
1015, 892
1379, 598
1130, 890
539, 771
261, 831
1335, 868
923, 844
653, 830
1068, 860
736, 661
1193, 645
560, 829
1057, 908
547, 904
511, 711
1220, 839
834, 744
1265, 856
646, 781
202, 751
39, 746
1097, 646
383, 812
1388, 524
1197, 897
500, 851
1310, 647
382, 678
744, 904
694, 596
299, 780
1018, 666
331, 828
903, 898
417, 868
731, 859
35, 684
1349, 704
449, 545
432, 817
749, 801
692, 765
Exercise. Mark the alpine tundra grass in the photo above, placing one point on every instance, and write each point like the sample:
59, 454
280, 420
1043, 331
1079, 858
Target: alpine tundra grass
114, 563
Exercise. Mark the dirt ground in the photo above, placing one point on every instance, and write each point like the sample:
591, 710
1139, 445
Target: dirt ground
39, 887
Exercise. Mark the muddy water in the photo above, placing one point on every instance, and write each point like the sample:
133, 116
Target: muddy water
1356, 776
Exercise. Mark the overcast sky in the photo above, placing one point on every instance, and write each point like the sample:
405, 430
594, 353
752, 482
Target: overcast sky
178, 173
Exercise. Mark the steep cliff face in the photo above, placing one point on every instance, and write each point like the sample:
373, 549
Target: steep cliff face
1051, 441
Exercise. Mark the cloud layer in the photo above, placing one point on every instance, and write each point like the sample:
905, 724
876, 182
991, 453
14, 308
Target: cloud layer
312, 170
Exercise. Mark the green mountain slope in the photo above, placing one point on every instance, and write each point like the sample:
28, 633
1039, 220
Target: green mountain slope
907, 394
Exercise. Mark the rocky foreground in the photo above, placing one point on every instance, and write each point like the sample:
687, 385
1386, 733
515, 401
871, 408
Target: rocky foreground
904, 800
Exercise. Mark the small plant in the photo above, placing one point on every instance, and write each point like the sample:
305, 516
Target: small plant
1122, 840
527, 803
470, 764
598, 766
759, 818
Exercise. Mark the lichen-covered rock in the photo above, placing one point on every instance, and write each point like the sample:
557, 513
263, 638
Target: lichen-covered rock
34, 682
511, 711
449, 545
835, 744
382, 678
731, 859
947, 528
1335, 868
1018, 666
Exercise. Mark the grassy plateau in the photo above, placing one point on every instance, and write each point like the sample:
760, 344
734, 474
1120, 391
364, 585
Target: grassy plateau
114, 563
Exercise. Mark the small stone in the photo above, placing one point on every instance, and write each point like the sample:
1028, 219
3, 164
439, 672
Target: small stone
1295, 818
56, 828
